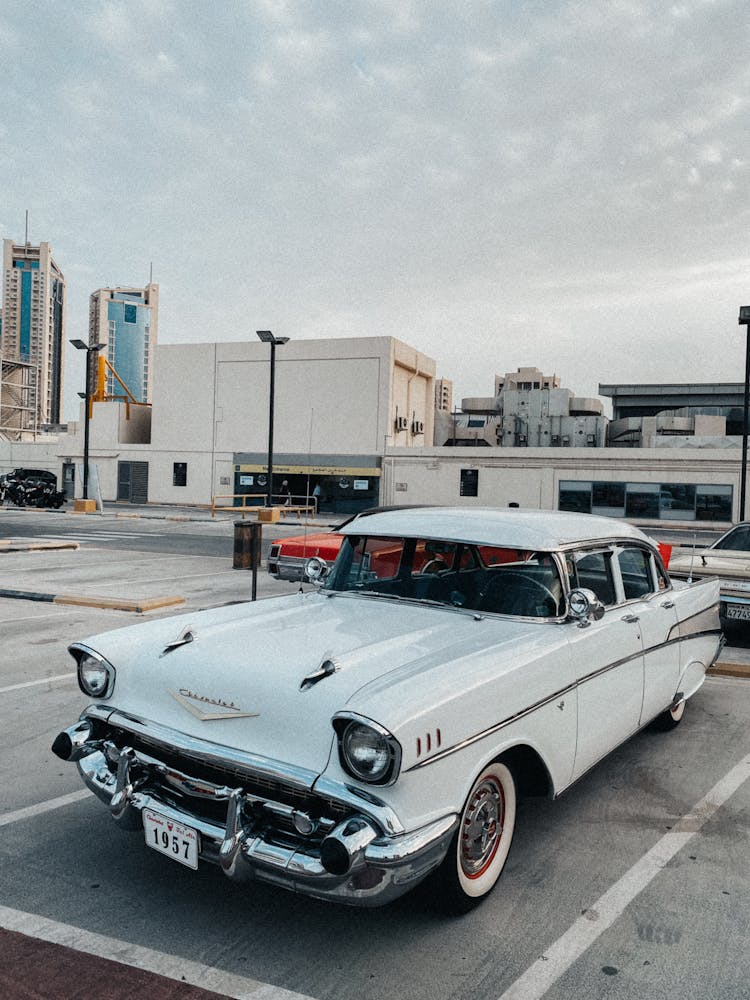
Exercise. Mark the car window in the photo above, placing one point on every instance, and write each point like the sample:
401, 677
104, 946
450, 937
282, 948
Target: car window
635, 570
375, 559
437, 571
433, 556
737, 540
593, 570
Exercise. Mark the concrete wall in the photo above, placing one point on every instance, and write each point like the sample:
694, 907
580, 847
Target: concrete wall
531, 476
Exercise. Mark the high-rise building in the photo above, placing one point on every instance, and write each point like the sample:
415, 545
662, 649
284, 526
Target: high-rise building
33, 324
126, 321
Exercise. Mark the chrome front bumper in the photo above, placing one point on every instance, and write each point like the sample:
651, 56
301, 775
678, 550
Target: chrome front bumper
363, 859
290, 568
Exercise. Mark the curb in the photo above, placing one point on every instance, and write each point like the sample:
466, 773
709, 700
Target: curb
8, 546
728, 668
108, 603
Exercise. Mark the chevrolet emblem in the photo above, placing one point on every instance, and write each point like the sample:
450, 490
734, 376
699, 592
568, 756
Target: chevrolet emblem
193, 702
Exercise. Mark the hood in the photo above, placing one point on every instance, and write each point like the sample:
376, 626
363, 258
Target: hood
238, 681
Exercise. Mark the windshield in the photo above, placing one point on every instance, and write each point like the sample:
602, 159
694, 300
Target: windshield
485, 578
737, 540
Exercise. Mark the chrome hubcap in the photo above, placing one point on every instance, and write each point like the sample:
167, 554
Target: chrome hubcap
482, 827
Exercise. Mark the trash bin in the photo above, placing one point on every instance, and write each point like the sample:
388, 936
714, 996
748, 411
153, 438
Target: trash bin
247, 538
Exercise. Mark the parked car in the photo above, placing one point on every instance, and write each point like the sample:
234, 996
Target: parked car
22, 475
728, 559
351, 740
288, 557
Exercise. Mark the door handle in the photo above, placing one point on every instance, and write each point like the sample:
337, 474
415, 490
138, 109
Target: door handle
630, 618
668, 604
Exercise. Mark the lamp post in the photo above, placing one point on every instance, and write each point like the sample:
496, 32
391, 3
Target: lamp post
744, 320
268, 338
80, 345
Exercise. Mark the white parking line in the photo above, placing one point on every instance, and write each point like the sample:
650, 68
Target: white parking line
182, 970
42, 807
559, 957
44, 680
93, 536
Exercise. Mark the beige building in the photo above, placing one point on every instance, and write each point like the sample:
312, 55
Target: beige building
443, 395
529, 410
32, 331
339, 423
338, 405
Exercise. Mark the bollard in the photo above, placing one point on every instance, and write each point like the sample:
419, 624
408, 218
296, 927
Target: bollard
247, 543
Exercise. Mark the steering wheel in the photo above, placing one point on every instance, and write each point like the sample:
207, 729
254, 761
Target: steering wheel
434, 566
517, 586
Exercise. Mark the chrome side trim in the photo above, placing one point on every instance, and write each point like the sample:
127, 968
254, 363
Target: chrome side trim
490, 731
496, 727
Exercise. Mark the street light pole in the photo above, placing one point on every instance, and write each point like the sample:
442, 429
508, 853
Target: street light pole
744, 320
89, 349
268, 338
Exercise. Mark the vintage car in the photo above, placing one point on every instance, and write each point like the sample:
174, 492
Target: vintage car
288, 557
728, 559
353, 739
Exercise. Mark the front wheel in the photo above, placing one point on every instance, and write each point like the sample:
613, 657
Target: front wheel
480, 846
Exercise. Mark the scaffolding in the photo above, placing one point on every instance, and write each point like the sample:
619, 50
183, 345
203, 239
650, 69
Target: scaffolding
19, 384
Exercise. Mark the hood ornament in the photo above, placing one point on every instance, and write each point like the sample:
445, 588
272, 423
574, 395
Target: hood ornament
187, 635
327, 667
193, 702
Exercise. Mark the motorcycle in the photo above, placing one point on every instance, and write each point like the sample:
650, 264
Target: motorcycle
34, 494
16, 493
48, 496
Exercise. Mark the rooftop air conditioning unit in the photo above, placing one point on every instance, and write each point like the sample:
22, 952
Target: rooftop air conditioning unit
401, 423
417, 427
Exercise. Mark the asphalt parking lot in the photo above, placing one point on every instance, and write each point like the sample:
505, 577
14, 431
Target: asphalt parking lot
634, 884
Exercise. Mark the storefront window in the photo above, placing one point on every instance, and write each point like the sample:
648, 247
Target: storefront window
713, 503
654, 501
575, 497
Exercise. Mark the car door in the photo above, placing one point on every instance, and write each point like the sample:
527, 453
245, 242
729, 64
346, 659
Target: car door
651, 607
608, 659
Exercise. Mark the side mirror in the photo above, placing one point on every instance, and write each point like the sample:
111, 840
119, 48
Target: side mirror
585, 607
316, 570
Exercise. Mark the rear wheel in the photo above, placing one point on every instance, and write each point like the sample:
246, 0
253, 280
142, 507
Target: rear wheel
480, 846
671, 718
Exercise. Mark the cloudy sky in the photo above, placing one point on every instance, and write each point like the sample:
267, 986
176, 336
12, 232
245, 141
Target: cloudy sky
559, 183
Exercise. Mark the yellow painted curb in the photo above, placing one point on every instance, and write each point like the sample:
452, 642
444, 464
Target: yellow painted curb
119, 604
729, 669
8, 546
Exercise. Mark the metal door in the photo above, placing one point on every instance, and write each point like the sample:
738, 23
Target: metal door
132, 482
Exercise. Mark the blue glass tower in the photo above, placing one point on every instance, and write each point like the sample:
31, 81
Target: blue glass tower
125, 320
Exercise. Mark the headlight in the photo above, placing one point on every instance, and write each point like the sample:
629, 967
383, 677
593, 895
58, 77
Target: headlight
367, 751
96, 676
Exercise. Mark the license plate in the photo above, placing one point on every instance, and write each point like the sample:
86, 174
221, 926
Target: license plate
178, 842
738, 611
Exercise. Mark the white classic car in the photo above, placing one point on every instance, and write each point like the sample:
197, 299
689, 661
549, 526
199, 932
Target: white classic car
352, 740
728, 559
